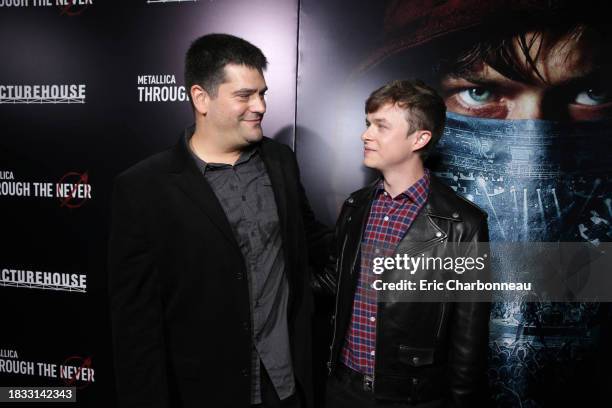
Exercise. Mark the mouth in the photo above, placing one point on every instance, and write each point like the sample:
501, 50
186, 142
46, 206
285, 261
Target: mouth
254, 121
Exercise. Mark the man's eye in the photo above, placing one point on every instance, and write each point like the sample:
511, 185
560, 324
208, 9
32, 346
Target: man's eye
592, 97
476, 96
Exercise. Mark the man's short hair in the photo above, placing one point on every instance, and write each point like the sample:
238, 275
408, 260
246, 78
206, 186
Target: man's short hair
208, 55
425, 109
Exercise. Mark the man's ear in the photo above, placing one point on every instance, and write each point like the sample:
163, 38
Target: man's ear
422, 138
200, 99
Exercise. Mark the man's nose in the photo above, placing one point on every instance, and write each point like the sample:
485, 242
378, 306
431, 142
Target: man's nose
258, 104
366, 135
528, 106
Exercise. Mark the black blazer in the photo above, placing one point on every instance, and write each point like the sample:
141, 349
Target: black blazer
179, 296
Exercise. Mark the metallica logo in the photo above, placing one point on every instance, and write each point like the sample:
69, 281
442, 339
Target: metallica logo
39, 94
160, 88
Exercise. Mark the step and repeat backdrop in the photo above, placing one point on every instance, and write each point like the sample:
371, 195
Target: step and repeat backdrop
88, 88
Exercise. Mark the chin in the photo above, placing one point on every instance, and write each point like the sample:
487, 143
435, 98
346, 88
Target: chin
254, 138
369, 163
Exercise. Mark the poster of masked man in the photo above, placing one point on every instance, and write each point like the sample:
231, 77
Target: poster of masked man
529, 115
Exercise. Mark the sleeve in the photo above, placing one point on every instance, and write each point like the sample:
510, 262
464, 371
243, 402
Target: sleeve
319, 240
135, 307
469, 334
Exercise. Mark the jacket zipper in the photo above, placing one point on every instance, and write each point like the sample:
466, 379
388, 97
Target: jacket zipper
441, 320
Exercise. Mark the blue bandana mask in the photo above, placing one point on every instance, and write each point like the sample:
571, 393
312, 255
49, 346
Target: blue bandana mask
538, 180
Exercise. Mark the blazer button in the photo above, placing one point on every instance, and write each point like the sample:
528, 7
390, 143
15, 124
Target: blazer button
245, 326
415, 381
415, 360
438, 234
244, 372
455, 215
239, 275
350, 200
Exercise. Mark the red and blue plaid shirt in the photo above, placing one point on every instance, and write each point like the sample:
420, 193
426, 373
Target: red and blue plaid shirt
387, 224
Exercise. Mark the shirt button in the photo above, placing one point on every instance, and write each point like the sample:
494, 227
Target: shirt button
372, 318
377, 251
386, 218
350, 201
372, 353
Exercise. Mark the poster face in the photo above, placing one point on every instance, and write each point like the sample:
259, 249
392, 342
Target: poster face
529, 112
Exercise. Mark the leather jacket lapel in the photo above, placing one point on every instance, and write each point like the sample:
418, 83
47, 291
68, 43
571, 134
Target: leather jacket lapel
422, 234
192, 183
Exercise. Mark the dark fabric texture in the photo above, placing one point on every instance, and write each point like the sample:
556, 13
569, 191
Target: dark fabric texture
346, 390
244, 191
425, 351
179, 294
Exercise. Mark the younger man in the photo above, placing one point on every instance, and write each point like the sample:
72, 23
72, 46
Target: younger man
424, 354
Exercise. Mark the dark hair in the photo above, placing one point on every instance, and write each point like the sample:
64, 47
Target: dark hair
208, 55
425, 109
514, 53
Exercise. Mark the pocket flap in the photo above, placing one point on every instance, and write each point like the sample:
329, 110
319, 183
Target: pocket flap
415, 356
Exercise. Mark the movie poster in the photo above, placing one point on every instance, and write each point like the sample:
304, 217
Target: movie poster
528, 97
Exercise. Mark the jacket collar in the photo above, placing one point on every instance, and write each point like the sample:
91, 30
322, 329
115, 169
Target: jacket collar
438, 200
189, 178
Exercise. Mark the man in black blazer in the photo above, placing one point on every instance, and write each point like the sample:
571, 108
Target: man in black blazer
208, 253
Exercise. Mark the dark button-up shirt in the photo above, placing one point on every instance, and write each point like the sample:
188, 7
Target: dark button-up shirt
389, 220
246, 196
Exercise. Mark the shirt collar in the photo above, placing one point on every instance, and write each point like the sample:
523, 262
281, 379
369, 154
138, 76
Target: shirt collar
245, 155
417, 193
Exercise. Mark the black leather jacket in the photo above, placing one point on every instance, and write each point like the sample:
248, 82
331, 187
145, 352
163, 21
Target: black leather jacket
424, 351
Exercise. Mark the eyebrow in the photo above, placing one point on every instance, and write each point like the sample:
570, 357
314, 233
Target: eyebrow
380, 121
582, 77
248, 91
479, 78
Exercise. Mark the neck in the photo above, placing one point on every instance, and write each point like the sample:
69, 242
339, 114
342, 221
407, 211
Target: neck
212, 147
397, 180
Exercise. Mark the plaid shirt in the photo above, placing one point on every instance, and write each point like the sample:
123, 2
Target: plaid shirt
388, 222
